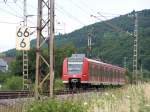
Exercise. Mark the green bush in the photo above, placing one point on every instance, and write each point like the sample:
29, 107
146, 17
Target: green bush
12, 83
57, 106
144, 105
4, 76
58, 84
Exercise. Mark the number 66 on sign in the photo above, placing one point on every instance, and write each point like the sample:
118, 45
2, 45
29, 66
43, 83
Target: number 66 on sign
22, 38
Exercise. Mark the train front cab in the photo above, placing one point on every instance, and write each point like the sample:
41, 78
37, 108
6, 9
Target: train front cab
75, 73
65, 72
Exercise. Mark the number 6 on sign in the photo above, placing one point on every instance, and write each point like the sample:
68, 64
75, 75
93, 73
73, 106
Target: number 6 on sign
19, 33
23, 44
26, 33
22, 38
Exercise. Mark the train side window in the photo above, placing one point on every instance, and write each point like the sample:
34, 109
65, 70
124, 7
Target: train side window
117, 75
120, 74
99, 70
94, 74
108, 73
96, 70
93, 69
115, 72
104, 72
111, 72
90, 69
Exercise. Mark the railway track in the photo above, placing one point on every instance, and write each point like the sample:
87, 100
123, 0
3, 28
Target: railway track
25, 94
15, 94
76, 91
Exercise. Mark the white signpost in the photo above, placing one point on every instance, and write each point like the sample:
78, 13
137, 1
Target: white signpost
23, 38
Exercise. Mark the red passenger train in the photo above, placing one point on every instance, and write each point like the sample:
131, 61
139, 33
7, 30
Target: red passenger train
80, 71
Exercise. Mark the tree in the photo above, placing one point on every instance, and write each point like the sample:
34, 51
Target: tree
60, 55
12, 83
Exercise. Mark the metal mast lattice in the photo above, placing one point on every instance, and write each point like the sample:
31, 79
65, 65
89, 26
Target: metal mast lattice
25, 54
135, 47
45, 34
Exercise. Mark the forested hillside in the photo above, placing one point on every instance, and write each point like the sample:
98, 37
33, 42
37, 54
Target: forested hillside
111, 44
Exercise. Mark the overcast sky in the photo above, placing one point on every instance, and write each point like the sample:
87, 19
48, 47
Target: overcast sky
70, 15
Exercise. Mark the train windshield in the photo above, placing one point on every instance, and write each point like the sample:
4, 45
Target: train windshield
74, 67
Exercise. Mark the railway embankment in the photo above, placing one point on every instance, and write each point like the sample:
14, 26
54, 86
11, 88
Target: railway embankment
130, 98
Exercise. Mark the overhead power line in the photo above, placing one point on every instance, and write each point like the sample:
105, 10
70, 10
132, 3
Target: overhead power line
116, 28
5, 1
29, 5
85, 5
81, 8
107, 23
13, 1
8, 12
18, 5
13, 10
3, 22
62, 10
108, 13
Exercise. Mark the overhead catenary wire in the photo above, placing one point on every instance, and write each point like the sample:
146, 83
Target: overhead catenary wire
8, 12
84, 9
18, 5
21, 7
116, 28
107, 23
5, 1
70, 15
3, 22
114, 14
29, 5
13, 10
81, 8
62, 10
88, 11
85, 5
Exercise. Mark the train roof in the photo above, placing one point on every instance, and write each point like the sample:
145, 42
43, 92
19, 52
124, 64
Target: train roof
76, 57
105, 64
81, 57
